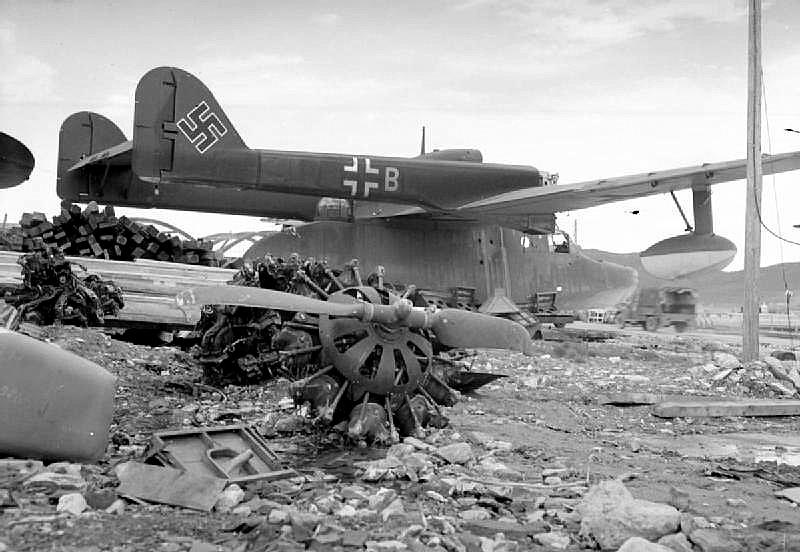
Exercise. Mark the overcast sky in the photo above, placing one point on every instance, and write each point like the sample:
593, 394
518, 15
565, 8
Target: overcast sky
585, 88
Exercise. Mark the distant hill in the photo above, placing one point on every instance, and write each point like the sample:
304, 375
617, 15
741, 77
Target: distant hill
717, 290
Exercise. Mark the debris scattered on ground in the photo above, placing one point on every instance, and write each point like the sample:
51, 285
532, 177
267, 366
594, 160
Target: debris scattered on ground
169, 486
629, 399
520, 468
792, 494
638, 544
716, 408
235, 453
610, 515
382, 380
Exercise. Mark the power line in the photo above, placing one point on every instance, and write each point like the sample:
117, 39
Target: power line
786, 291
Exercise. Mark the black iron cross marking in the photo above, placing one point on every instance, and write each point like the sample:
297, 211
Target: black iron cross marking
202, 127
370, 177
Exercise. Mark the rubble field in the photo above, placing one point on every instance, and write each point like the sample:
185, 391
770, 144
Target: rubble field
532, 461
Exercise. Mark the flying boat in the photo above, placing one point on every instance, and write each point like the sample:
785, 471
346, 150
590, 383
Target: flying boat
441, 220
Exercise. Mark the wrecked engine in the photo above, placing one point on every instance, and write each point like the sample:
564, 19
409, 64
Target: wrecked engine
51, 293
381, 381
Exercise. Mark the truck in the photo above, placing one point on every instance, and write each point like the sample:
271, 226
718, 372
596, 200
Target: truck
653, 308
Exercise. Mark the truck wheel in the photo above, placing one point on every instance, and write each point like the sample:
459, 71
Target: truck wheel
651, 323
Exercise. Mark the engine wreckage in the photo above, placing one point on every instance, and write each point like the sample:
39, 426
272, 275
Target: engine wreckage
375, 359
360, 351
52, 293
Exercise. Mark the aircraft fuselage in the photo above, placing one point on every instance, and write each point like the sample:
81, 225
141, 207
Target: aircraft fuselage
441, 255
435, 184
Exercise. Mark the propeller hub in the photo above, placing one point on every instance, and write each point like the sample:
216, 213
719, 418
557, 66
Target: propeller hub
402, 308
383, 358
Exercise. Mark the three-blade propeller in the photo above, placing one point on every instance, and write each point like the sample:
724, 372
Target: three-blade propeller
452, 327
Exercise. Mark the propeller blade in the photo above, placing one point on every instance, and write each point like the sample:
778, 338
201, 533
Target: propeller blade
453, 327
460, 328
264, 298
16, 161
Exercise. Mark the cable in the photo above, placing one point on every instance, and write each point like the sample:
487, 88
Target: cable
787, 292
767, 228
774, 188
755, 195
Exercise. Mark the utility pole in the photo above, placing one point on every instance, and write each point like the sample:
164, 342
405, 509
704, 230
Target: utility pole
752, 235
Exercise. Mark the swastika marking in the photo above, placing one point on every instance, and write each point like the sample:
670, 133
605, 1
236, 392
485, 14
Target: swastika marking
202, 127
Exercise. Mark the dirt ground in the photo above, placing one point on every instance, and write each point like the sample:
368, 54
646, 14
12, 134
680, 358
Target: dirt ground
545, 415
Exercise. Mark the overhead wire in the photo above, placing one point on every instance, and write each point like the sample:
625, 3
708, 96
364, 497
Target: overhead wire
787, 292
755, 194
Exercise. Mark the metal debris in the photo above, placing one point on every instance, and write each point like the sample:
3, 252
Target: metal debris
360, 354
55, 405
169, 486
237, 453
51, 292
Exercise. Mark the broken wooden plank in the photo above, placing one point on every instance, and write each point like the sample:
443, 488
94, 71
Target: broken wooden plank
629, 398
715, 409
169, 486
792, 494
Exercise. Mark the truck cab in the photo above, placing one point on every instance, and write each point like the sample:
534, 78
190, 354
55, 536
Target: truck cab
653, 308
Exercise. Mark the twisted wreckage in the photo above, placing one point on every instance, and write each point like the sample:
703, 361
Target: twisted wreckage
357, 349
51, 292
360, 351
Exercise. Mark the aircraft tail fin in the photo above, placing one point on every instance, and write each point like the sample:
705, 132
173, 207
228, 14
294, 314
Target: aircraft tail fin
83, 135
178, 124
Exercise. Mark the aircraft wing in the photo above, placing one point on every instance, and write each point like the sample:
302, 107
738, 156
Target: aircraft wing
581, 195
368, 209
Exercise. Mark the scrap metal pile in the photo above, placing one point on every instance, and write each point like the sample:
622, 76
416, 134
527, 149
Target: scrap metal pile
360, 354
51, 293
92, 232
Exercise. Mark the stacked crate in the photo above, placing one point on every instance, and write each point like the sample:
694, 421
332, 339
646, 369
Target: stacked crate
92, 232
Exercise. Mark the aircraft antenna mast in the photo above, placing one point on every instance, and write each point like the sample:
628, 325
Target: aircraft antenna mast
752, 238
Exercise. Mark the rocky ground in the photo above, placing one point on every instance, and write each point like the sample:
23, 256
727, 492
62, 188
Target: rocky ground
534, 461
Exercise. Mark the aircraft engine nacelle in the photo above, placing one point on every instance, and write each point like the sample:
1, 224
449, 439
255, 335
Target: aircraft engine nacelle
681, 256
